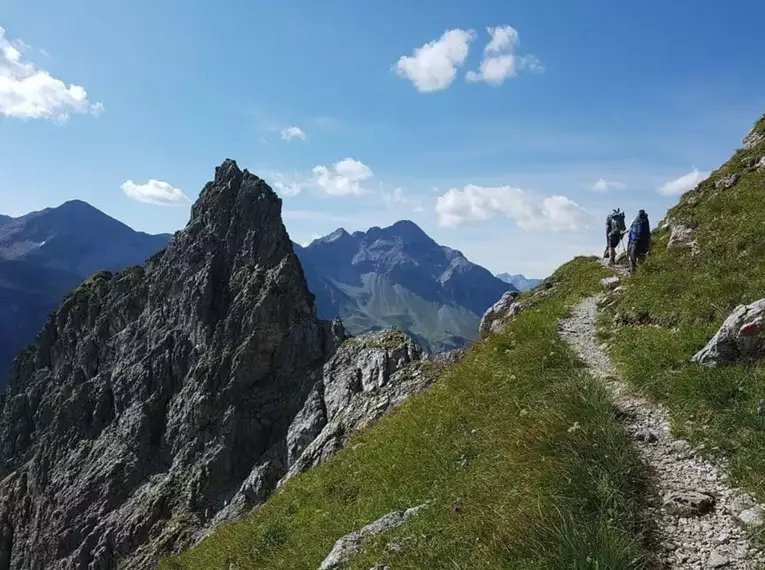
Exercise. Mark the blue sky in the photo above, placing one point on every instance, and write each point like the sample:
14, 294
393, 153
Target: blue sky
510, 144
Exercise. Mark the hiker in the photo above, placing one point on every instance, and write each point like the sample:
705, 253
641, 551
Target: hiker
615, 229
639, 240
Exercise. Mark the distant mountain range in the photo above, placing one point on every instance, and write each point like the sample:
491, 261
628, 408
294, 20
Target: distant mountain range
520, 282
399, 277
45, 254
382, 278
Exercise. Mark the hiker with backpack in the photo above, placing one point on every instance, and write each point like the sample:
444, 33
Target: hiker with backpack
639, 240
615, 229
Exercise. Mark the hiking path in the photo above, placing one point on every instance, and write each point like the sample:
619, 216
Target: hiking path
699, 516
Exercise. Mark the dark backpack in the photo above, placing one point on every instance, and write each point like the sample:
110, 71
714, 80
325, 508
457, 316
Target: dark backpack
615, 223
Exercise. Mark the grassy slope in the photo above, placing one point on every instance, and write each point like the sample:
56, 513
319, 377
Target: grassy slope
677, 301
551, 481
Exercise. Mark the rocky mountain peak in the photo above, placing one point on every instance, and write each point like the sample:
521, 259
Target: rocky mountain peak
157, 401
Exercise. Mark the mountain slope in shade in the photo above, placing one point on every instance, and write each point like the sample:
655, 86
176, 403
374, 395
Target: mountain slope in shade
77, 238
399, 277
45, 254
28, 294
519, 281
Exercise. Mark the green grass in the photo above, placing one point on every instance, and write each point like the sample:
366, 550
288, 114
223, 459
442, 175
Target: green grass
551, 480
676, 302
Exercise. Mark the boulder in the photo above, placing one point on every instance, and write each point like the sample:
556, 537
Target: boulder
683, 236
689, 503
611, 283
502, 312
726, 182
739, 337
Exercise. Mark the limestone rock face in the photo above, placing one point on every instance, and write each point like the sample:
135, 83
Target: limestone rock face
740, 337
499, 314
367, 376
168, 397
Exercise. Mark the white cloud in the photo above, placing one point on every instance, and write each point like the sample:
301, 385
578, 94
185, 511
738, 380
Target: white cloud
433, 66
287, 185
27, 92
500, 61
343, 178
503, 38
494, 70
681, 185
155, 192
288, 189
531, 212
532, 63
397, 198
603, 185
290, 133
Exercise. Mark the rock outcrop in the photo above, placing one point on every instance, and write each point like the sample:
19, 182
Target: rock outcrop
740, 337
352, 543
170, 396
611, 283
367, 376
500, 313
755, 136
726, 182
683, 236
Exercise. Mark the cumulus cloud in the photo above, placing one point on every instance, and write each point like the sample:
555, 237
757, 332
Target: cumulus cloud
287, 185
343, 178
289, 133
27, 92
500, 61
288, 188
684, 183
530, 212
433, 66
155, 192
603, 185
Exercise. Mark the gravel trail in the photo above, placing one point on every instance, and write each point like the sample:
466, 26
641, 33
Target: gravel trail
699, 515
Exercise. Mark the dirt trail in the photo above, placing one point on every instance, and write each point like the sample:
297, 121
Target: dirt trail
697, 511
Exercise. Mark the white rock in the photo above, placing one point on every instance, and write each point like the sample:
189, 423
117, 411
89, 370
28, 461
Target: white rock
350, 544
611, 282
752, 517
739, 337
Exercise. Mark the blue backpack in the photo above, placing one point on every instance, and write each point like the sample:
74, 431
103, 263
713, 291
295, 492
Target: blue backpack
640, 229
